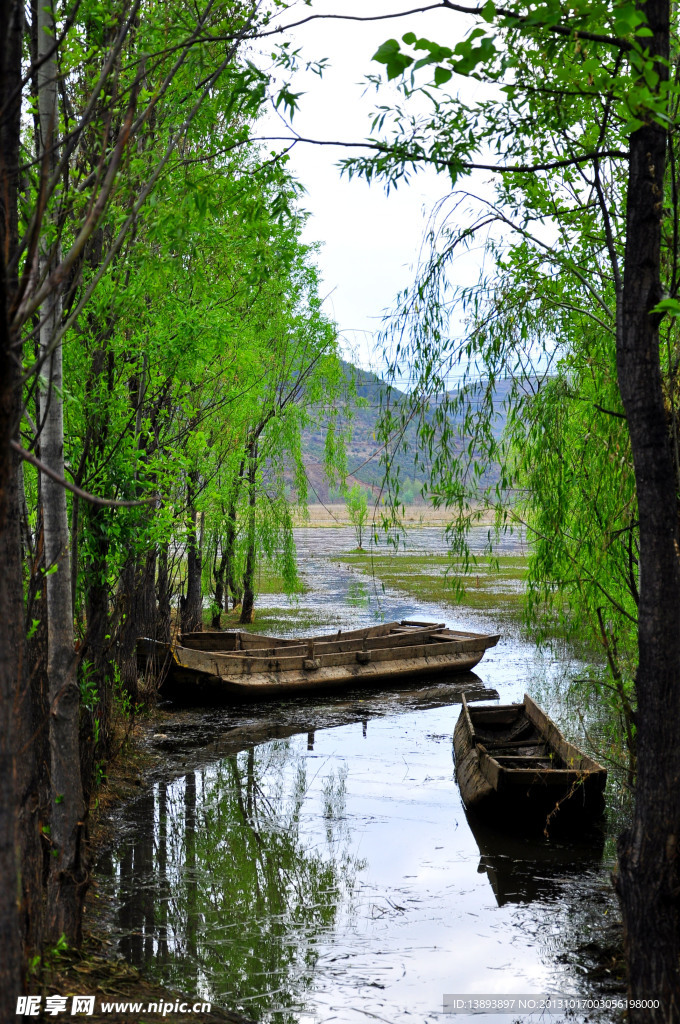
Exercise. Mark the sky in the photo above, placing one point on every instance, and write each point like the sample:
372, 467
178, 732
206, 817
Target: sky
370, 241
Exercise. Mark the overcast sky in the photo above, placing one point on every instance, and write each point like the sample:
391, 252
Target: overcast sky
370, 241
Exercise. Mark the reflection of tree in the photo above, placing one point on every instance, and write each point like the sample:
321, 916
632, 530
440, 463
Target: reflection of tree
135, 864
244, 882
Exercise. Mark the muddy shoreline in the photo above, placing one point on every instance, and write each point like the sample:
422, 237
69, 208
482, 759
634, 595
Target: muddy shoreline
97, 968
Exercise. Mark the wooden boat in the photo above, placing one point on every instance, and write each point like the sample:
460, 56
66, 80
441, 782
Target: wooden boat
223, 665
513, 762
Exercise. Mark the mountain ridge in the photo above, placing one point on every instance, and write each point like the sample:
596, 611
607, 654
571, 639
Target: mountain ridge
368, 394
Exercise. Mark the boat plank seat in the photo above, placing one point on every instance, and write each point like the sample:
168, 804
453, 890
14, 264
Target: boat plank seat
526, 761
531, 749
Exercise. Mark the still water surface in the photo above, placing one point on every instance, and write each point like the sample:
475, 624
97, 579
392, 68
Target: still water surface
318, 865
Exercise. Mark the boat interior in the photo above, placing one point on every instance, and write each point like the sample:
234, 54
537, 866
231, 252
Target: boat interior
386, 635
512, 739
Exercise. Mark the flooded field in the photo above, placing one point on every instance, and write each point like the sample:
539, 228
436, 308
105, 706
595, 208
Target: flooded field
314, 863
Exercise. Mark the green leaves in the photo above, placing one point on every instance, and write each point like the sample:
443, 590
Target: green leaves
630, 20
669, 307
463, 59
287, 99
396, 62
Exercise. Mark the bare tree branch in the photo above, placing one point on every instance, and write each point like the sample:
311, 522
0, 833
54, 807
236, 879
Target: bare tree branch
85, 495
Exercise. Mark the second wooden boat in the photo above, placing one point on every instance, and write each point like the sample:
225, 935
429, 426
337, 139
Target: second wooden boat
220, 666
514, 763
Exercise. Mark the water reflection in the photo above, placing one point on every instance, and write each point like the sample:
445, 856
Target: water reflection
332, 875
218, 892
308, 868
522, 868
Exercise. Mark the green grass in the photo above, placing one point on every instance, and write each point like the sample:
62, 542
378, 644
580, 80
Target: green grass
269, 581
273, 620
437, 578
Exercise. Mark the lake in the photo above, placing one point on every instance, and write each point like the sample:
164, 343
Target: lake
314, 863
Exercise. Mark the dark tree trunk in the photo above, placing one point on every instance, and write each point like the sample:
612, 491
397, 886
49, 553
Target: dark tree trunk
19, 925
248, 606
192, 606
24, 735
146, 609
225, 574
97, 646
75, 541
96, 652
127, 630
13, 685
648, 876
139, 615
163, 591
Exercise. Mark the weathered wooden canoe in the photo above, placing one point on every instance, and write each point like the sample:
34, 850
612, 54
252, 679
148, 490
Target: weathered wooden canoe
513, 762
223, 665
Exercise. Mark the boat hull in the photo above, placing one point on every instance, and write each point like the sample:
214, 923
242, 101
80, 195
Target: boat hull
362, 657
520, 768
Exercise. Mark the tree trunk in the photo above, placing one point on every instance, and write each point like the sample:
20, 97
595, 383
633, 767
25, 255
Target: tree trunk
20, 854
192, 607
232, 585
248, 607
139, 615
66, 885
75, 532
12, 682
96, 652
163, 594
38, 718
648, 877
220, 568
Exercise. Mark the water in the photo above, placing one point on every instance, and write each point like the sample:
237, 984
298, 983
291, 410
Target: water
429, 540
314, 862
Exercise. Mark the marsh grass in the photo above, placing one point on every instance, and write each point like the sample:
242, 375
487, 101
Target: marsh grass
275, 620
437, 578
269, 581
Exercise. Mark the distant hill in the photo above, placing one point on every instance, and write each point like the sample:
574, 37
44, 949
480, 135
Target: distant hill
364, 450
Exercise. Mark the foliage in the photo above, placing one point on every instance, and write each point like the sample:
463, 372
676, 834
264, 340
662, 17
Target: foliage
153, 251
357, 510
560, 94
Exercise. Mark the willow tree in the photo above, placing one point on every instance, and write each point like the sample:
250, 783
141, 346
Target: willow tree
118, 98
583, 92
